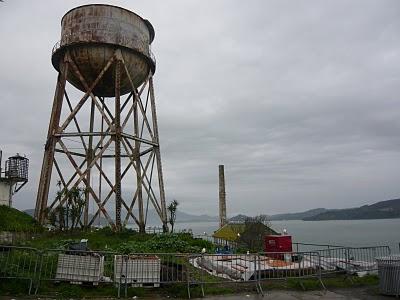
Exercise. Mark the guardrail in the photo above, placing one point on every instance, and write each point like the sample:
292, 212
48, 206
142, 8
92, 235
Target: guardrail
159, 269
349, 260
19, 263
299, 246
59, 44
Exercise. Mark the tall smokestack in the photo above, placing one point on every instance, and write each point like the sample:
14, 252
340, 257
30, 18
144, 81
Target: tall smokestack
222, 197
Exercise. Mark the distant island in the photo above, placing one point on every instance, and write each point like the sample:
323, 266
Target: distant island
388, 209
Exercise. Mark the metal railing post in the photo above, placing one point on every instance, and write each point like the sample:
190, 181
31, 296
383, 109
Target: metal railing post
126, 275
40, 272
35, 270
187, 260
120, 274
320, 271
258, 272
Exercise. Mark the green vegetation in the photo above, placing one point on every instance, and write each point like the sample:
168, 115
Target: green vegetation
334, 282
127, 241
172, 207
180, 290
130, 241
12, 287
12, 219
69, 215
63, 290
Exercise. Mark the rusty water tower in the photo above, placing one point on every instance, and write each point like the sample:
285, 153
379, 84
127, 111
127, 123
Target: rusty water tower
103, 132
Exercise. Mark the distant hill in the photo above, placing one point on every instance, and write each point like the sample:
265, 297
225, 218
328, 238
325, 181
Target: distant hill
381, 210
299, 215
238, 219
289, 216
152, 217
182, 217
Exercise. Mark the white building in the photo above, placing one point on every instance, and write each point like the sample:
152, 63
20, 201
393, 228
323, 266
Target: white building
13, 177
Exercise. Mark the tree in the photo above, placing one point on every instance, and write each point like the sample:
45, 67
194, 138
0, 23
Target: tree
77, 202
172, 213
68, 216
255, 229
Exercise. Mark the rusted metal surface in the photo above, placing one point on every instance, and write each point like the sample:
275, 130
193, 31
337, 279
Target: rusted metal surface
117, 140
48, 158
92, 33
163, 209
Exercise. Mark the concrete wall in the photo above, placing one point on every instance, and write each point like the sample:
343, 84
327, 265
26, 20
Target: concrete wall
4, 193
10, 238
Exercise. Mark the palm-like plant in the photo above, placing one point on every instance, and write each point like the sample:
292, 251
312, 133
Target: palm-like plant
172, 213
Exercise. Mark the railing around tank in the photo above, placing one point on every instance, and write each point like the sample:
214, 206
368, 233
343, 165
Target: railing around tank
60, 43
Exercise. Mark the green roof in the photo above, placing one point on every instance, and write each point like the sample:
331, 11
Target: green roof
230, 231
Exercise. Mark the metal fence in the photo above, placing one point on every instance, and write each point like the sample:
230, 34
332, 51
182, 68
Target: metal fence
160, 269
389, 275
346, 260
19, 263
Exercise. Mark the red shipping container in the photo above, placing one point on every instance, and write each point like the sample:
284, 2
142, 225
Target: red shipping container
278, 243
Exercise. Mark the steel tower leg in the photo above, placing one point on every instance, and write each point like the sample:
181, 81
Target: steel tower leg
142, 225
158, 157
117, 140
48, 157
89, 159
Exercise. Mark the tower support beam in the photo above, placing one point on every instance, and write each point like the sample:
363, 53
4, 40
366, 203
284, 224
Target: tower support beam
48, 157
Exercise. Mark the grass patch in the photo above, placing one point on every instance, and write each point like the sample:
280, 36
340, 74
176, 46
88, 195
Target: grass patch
14, 287
64, 290
351, 281
127, 241
180, 290
310, 284
12, 219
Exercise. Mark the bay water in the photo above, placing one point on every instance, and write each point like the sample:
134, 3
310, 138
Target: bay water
352, 233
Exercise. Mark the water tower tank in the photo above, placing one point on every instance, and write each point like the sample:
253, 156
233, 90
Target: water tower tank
92, 33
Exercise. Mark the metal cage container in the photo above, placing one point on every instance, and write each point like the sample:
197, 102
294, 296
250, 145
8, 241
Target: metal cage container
17, 168
389, 275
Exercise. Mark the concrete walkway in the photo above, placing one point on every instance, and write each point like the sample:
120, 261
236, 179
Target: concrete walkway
345, 294
342, 294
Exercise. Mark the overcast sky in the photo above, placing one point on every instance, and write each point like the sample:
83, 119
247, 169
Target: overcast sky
298, 99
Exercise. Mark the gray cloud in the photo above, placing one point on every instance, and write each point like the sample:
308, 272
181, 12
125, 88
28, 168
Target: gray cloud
299, 100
